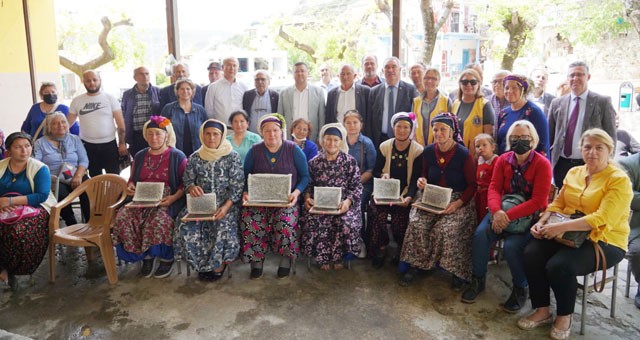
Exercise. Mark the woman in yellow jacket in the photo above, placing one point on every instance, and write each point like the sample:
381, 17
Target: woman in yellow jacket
601, 193
428, 104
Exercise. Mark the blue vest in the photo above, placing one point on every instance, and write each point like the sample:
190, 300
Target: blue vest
453, 176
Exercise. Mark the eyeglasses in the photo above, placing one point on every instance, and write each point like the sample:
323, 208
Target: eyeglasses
260, 79
431, 78
497, 81
576, 75
466, 82
523, 137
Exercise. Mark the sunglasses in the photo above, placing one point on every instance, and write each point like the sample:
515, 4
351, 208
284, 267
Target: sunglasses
467, 82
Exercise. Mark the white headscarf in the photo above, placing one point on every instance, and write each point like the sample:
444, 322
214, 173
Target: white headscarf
344, 147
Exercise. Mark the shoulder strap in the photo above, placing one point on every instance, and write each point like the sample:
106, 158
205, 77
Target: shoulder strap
35, 136
599, 255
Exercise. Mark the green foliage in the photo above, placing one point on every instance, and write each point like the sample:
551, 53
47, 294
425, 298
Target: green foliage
126, 47
590, 21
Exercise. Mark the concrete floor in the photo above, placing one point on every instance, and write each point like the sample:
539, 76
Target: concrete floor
361, 303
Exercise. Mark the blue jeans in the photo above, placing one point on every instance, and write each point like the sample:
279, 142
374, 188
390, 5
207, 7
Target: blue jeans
514, 245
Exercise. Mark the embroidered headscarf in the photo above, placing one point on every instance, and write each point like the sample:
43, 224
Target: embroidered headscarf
450, 120
161, 123
335, 129
522, 81
273, 118
405, 116
225, 148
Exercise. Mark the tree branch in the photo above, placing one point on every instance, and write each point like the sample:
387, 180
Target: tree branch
301, 46
445, 15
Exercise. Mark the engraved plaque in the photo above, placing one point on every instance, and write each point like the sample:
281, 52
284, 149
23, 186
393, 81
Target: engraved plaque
269, 188
147, 195
327, 197
434, 198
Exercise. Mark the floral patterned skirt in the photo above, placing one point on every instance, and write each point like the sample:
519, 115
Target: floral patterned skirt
443, 239
24, 243
328, 238
137, 229
263, 228
208, 245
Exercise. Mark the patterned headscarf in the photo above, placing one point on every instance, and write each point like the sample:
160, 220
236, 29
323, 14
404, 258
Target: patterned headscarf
161, 123
407, 117
451, 121
273, 118
522, 81
225, 148
329, 129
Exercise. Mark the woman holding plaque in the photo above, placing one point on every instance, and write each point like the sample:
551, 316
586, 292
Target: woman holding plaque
399, 158
214, 168
597, 195
332, 238
67, 159
146, 234
521, 171
443, 238
273, 227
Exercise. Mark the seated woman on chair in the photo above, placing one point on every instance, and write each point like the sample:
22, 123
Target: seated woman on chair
601, 193
331, 239
24, 181
147, 233
59, 149
215, 167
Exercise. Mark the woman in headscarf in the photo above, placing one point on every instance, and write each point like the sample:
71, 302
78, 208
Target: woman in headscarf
146, 234
215, 167
445, 238
268, 227
400, 158
331, 239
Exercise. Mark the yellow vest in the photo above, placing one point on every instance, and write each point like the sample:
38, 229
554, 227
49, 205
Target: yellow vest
441, 106
473, 124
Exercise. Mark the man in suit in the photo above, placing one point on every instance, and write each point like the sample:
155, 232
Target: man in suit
387, 99
168, 95
571, 115
539, 96
347, 96
259, 101
303, 100
631, 165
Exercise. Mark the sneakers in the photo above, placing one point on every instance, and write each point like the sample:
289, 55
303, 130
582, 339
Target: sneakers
476, 287
147, 268
409, 277
457, 284
164, 269
516, 300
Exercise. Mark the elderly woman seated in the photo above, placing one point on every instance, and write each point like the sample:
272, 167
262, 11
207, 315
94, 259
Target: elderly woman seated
273, 227
443, 238
214, 168
329, 239
146, 234
66, 158
595, 197
524, 172
400, 158
25, 186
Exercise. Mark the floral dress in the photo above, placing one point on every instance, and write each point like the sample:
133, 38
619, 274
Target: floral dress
207, 245
328, 238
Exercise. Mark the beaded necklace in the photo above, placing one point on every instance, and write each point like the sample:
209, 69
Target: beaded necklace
151, 166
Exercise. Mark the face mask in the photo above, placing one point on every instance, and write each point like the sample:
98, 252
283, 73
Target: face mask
50, 98
520, 146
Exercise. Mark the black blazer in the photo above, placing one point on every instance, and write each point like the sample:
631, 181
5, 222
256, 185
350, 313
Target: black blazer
404, 103
249, 96
331, 111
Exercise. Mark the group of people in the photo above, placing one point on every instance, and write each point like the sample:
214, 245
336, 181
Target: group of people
499, 154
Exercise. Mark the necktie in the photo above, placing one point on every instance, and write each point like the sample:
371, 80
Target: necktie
571, 128
390, 111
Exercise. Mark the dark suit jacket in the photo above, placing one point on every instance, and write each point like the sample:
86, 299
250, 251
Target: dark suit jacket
375, 110
599, 113
168, 95
547, 99
249, 96
331, 111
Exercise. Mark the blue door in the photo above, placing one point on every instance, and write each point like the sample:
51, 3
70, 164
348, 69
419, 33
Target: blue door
465, 57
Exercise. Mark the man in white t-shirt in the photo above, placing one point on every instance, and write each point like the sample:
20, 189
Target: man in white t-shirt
97, 112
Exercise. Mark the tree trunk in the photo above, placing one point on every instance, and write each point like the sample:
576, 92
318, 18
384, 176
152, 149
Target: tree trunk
518, 29
632, 9
107, 53
431, 27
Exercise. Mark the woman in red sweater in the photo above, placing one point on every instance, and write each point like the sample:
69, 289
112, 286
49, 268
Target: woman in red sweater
523, 171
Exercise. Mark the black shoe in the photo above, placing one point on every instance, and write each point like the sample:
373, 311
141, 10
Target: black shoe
210, 276
636, 301
147, 268
471, 293
457, 284
283, 272
256, 273
409, 277
516, 300
164, 270
378, 262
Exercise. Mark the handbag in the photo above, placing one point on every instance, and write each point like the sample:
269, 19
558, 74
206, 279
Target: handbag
18, 213
124, 161
575, 239
520, 225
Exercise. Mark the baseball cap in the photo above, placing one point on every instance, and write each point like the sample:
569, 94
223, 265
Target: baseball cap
215, 65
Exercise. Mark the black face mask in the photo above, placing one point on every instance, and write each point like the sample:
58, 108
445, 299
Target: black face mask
520, 146
50, 98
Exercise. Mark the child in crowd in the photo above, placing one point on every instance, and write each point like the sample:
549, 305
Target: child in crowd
485, 149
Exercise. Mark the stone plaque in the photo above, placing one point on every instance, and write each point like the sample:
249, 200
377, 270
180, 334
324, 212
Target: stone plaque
327, 197
269, 188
